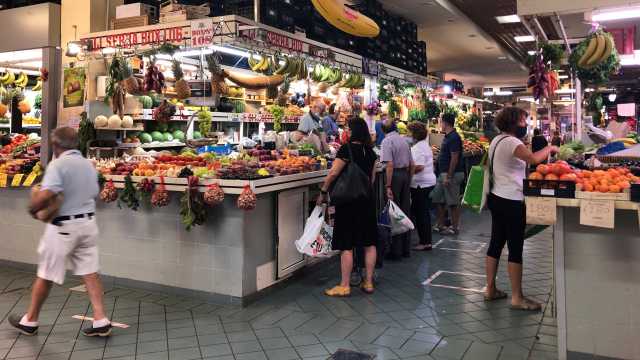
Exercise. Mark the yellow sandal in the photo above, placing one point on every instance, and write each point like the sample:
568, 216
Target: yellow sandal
338, 291
367, 287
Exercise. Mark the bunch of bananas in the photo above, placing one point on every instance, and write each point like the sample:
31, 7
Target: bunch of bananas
8, 78
628, 142
37, 86
293, 67
326, 74
601, 46
353, 81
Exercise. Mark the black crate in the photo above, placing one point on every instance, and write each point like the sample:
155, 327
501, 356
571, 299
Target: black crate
549, 188
635, 193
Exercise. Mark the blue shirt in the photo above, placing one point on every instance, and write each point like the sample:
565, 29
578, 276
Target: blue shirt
379, 133
330, 127
452, 143
76, 178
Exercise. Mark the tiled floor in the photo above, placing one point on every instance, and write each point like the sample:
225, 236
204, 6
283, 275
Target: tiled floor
402, 320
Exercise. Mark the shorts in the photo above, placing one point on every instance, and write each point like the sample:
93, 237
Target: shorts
449, 195
75, 243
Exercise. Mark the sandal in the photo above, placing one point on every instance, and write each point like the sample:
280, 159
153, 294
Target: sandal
497, 295
447, 231
423, 248
338, 291
437, 229
367, 287
527, 305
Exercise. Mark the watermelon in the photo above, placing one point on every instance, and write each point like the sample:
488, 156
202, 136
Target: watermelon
157, 136
145, 138
156, 99
146, 101
162, 127
178, 135
167, 136
197, 135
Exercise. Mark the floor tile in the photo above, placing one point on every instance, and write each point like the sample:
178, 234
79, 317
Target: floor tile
282, 354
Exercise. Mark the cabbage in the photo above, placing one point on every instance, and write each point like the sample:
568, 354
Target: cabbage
566, 152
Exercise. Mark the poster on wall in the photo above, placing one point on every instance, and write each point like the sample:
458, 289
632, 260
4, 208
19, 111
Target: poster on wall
73, 90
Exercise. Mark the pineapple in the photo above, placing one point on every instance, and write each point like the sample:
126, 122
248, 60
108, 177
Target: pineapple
130, 82
218, 85
284, 90
182, 86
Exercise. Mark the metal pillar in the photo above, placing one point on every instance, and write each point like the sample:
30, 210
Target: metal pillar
51, 60
256, 10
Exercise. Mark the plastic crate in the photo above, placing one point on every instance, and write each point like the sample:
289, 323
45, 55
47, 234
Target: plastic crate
635, 193
549, 188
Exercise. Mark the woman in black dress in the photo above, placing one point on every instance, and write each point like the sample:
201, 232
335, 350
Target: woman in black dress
355, 224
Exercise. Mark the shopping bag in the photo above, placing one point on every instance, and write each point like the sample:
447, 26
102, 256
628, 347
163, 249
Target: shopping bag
400, 223
317, 236
474, 192
384, 230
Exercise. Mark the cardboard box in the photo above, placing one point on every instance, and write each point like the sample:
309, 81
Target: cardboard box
129, 22
136, 9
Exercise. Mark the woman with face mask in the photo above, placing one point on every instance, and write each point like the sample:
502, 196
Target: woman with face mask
508, 159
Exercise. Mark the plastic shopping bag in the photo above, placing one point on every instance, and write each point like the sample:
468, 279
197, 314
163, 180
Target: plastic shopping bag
474, 195
400, 223
384, 231
317, 236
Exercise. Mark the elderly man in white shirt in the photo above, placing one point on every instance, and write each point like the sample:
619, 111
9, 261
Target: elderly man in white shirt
71, 237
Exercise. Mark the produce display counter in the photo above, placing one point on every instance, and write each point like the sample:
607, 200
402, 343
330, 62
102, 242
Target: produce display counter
228, 259
597, 292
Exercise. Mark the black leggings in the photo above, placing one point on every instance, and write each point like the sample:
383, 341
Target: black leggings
421, 213
508, 222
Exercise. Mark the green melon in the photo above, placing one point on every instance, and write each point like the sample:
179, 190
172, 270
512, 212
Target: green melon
145, 138
167, 136
178, 135
146, 101
197, 135
156, 99
157, 136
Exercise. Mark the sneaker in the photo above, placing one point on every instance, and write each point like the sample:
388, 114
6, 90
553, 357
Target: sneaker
100, 332
14, 320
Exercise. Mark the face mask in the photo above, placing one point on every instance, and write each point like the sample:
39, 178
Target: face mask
521, 132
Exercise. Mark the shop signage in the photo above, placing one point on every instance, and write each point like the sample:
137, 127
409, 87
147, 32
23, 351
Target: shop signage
370, 67
598, 213
321, 52
146, 37
541, 210
272, 38
202, 32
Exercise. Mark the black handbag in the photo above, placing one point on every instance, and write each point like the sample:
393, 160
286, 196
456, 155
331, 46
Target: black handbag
352, 184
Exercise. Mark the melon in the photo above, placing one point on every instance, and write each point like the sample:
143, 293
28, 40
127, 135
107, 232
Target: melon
167, 136
145, 138
178, 135
157, 136
146, 101
197, 135
155, 100
100, 121
114, 122
127, 121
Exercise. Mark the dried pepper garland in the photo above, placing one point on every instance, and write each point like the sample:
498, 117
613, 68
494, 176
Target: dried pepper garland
109, 193
129, 196
160, 196
146, 188
192, 207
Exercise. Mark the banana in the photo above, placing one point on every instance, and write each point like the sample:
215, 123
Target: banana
3, 91
326, 74
346, 19
38, 86
607, 50
11, 79
265, 64
252, 62
22, 80
283, 68
4, 78
591, 48
260, 64
597, 54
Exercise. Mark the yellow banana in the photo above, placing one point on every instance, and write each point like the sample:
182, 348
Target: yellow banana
260, 64
591, 48
4, 77
607, 50
11, 79
38, 86
601, 44
346, 19
22, 80
265, 63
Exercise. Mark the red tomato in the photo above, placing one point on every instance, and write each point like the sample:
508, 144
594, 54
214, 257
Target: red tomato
536, 176
551, 177
543, 169
568, 177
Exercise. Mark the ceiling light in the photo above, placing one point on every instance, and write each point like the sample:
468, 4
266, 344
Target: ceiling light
563, 76
446, 89
589, 90
504, 93
531, 52
73, 48
613, 97
615, 14
566, 91
524, 38
488, 93
502, 58
508, 19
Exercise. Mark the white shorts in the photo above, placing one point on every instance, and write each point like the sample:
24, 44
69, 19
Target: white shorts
75, 243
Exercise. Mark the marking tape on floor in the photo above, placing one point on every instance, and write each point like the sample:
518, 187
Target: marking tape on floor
430, 280
481, 245
114, 324
79, 288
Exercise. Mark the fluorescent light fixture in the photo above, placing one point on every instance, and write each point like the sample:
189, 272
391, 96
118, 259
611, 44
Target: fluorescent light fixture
504, 93
488, 93
446, 89
531, 52
16, 70
73, 48
630, 59
613, 97
502, 58
188, 67
566, 91
563, 76
565, 98
108, 51
615, 14
508, 19
529, 99
524, 38
589, 90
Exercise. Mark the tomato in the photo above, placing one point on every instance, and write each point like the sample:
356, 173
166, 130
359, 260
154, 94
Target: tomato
536, 176
568, 177
560, 169
551, 177
543, 169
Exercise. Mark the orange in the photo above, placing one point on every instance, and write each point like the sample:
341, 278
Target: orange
586, 173
614, 189
624, 185
588, 187
603, 188
579, 186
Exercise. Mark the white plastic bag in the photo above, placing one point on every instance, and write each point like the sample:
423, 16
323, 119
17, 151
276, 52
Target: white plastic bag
400, 223
317, 236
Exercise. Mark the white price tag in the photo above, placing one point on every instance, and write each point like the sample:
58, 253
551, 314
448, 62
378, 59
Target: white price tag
598, 213
541, 210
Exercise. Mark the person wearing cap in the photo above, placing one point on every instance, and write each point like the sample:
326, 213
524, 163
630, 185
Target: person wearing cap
71, 237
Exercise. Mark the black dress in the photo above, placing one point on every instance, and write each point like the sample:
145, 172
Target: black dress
355, 224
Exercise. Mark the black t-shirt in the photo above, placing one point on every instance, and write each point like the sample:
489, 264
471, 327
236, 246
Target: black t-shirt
363, 156
452, 143
538, 143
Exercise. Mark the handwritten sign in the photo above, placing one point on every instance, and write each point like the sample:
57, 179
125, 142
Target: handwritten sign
30, 179
598, 213
17, 180
3, 180
173, 35
541, 210
275, 39
202, 32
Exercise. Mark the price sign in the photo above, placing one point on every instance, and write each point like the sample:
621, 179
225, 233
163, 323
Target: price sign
202, 32
3, 180
17, 179
30, 179
598, 213
541, 210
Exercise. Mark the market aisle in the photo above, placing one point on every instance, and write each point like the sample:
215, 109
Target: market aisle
404, 319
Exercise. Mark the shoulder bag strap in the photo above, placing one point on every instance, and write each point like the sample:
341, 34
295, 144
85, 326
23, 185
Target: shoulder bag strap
491, 161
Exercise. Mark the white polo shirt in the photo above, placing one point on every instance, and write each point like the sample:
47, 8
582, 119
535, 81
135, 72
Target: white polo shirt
423, 156
76, 178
